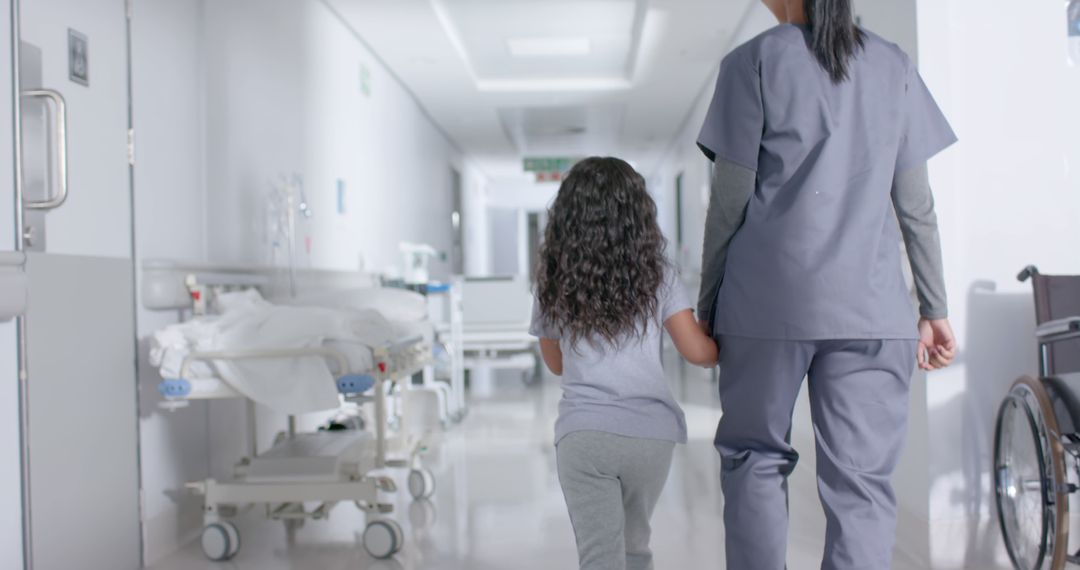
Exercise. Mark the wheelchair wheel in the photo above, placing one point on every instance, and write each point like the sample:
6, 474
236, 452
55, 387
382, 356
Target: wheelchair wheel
1030, 483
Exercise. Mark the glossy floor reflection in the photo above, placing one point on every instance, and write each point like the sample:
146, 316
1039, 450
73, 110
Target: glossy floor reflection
498, 505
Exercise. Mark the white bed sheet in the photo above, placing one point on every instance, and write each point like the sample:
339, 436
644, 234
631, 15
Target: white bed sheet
287, 385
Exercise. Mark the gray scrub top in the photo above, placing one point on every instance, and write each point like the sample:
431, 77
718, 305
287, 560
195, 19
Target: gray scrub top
818, 255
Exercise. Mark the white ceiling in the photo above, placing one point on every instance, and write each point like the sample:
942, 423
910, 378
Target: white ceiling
591, 76
605, 27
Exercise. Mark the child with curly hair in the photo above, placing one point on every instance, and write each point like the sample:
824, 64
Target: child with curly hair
604, 296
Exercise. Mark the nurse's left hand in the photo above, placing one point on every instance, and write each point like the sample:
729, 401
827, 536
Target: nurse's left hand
937, 344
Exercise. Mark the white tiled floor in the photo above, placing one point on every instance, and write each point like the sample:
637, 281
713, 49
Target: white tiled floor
498, 504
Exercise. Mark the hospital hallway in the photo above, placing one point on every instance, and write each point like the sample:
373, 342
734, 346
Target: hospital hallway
498, 505
283, 283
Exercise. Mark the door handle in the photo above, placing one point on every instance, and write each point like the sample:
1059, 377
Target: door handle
60, 125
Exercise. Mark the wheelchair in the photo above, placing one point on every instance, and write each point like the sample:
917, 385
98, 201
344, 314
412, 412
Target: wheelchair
1037, 434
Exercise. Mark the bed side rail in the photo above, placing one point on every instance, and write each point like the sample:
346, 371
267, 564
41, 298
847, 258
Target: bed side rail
393, 361
331, 355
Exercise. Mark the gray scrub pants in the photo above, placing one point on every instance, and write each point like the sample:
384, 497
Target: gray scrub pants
611, 484
859, 403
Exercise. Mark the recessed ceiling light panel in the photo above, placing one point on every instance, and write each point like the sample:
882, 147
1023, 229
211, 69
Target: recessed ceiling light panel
549, 47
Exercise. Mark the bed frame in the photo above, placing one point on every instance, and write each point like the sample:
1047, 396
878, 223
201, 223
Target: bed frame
324, 468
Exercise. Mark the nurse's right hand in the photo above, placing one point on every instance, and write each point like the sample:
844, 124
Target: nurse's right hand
937, 344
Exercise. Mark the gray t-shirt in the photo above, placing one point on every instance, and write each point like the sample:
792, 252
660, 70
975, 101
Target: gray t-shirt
816, 257
621, 391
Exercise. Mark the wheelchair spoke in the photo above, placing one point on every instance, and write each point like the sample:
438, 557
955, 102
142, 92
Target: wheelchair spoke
1022, 484
1034, 484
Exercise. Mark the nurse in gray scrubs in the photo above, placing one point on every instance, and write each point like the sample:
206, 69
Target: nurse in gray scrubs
820, 133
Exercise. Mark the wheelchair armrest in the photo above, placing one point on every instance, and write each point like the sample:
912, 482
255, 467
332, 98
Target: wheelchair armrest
1060, 329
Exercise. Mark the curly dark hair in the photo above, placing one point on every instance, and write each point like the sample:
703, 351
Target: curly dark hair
602, 259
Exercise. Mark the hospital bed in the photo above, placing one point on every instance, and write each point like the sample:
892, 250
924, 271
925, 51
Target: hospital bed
446, 379
323, 468
494, 325
431, 396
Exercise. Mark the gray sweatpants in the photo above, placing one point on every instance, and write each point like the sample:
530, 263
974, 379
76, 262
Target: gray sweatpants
611, 484
859, 404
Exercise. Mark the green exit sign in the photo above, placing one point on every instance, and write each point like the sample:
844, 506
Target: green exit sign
549, 165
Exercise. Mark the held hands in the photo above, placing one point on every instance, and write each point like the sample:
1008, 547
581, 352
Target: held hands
937, 344
695, 346
706, 329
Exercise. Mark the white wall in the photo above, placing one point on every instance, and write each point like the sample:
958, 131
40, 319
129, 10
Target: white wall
504, 250
285, 98
684, 157
476, 224
892, 20
507, 204
10, 474
403, 191
170, 205
255, 54
1009, 195
230, 95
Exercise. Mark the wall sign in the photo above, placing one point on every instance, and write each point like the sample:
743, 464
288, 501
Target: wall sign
365, 80
78, 59
549, 169
1073, 15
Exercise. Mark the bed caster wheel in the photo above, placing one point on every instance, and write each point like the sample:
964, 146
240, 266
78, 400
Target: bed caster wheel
383, 538
422, 515
220, 541
421, 484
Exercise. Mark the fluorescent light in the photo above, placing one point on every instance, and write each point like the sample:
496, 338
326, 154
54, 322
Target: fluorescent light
553, 85
549, 47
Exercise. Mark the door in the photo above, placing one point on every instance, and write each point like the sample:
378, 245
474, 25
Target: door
11, 546
679, 212
457, 224
533, 243
83, 486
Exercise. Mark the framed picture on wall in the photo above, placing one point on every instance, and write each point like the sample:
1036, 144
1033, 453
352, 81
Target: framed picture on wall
78, 58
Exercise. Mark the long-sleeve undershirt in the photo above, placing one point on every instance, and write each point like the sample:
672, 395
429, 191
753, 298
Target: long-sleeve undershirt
731, 189
914, 204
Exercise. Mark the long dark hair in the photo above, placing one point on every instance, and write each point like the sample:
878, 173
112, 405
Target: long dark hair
834, 36
602, 259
